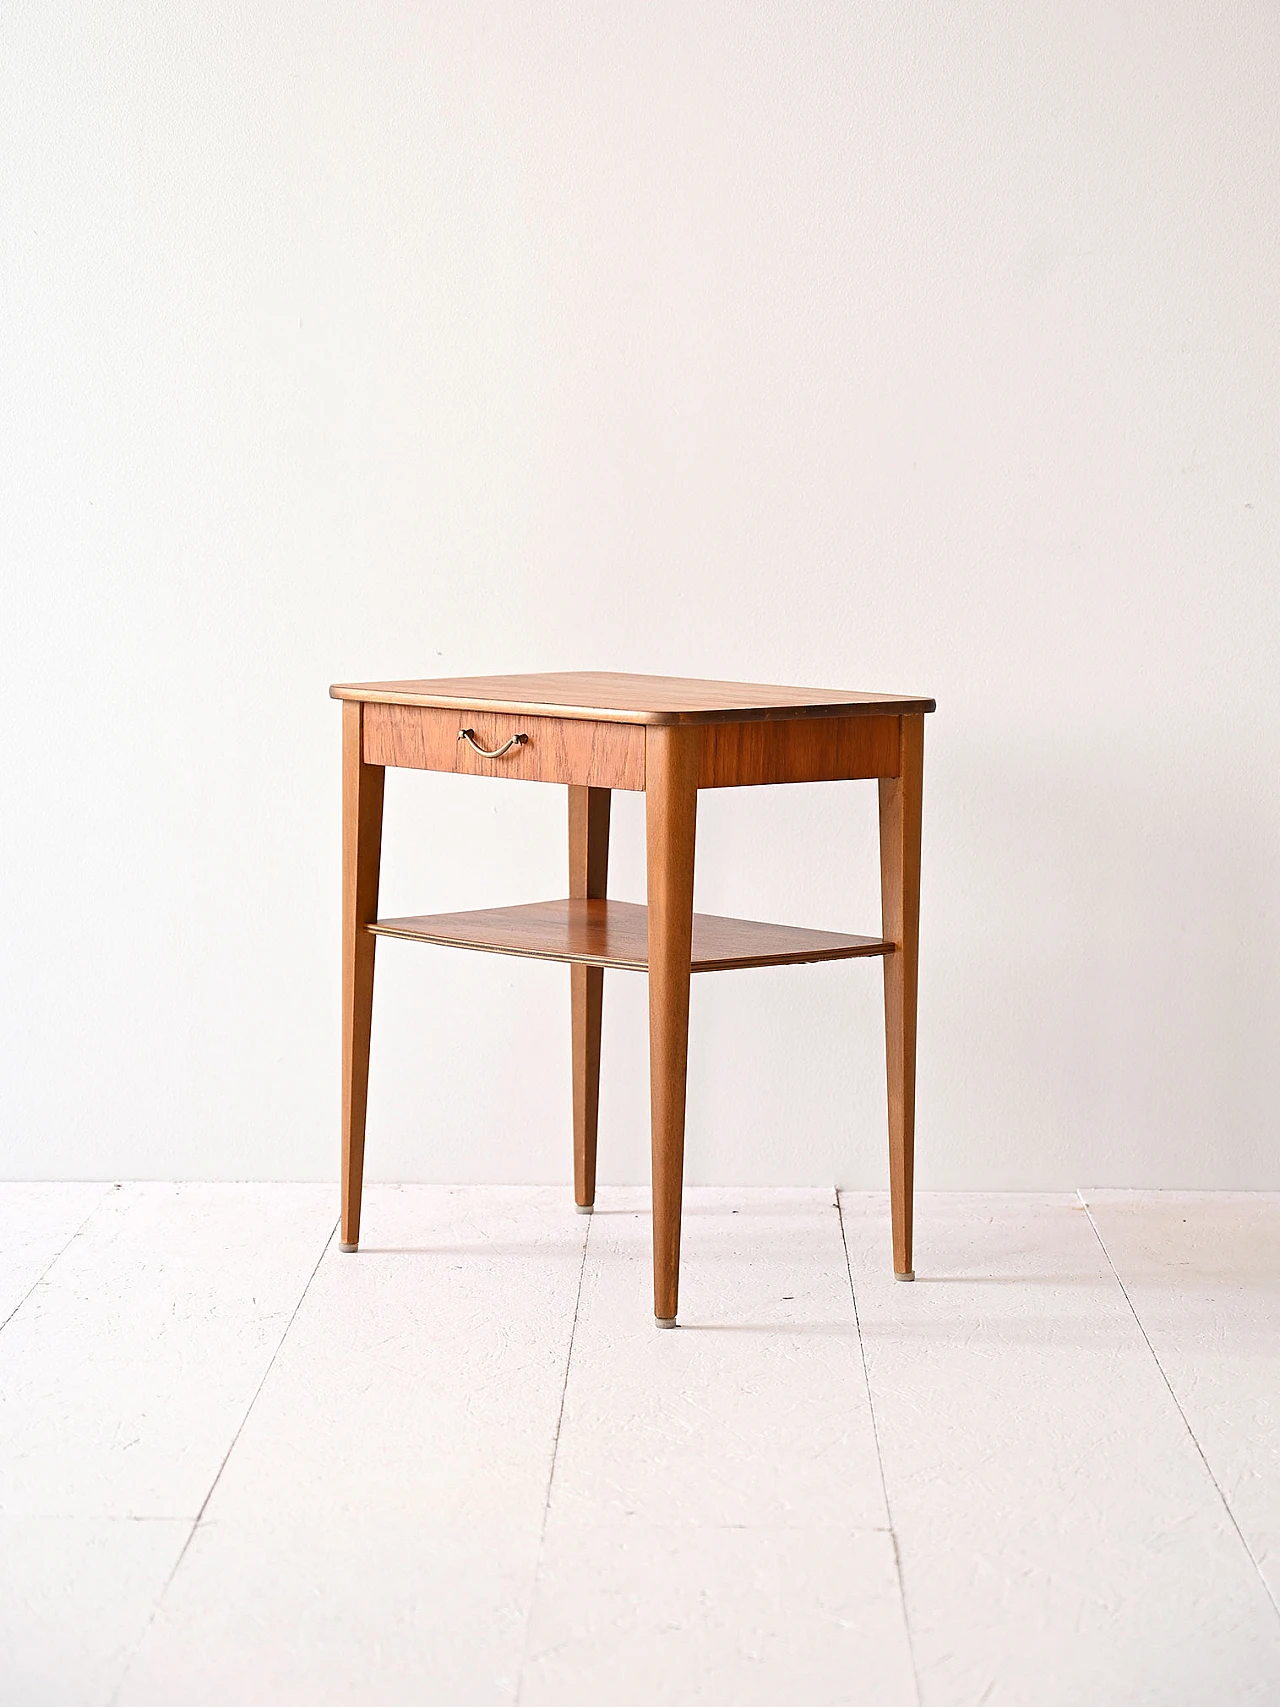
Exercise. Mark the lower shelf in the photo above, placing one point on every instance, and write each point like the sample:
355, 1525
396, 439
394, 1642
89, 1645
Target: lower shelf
616, 933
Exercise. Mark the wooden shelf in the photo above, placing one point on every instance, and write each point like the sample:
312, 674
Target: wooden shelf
616, 933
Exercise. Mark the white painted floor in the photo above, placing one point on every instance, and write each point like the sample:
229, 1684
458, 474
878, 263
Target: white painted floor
462, 1466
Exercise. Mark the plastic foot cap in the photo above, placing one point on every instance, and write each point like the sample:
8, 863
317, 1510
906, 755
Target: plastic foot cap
664, 1321
348, 1247
909, 1275
584, 1208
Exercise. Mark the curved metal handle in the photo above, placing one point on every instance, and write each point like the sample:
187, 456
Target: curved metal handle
469, 736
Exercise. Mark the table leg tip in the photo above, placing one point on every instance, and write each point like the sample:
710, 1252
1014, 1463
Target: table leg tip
909, 1275
584, 1208
664, 1321
348, 1247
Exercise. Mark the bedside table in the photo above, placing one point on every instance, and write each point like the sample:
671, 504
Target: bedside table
667, 737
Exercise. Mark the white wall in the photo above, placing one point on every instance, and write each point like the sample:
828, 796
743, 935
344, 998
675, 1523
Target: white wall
929, 349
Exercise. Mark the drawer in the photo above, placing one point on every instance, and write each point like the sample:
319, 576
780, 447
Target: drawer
556, 749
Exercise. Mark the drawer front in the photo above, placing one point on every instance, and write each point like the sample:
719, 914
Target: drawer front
558, 749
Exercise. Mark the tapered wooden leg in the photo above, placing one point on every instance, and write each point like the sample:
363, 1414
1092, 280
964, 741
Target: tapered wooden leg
900, 807
671, 805
361, 852
588, 880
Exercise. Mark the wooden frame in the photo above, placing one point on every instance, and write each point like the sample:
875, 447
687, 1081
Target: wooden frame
670, 738
362, 791
588, 881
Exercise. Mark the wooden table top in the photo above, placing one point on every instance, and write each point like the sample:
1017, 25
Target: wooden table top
608, 696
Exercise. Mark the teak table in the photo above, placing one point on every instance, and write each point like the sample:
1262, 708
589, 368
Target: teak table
668, 737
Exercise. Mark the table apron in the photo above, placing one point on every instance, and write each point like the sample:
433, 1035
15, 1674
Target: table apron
596, 754
799, 749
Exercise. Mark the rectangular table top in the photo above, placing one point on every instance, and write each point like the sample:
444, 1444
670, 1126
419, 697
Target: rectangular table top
609, 696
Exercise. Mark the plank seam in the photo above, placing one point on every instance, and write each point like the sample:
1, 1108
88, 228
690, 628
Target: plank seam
57, 1256
195, 1523
551, 1473
875, 1433
1186, 1423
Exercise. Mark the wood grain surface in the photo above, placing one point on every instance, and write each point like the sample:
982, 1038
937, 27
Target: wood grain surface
670, 818
612, 697
572, 750
616, 933
362, 798
901, 801
800, 749
588, 880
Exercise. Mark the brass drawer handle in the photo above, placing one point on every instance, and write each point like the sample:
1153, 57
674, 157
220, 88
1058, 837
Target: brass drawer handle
469, 736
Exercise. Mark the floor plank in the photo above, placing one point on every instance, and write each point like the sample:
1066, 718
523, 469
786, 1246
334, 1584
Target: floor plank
125, 1374
39, 1221
1060, 1540
717, 1530
642, 1616
1202, 1271
754, 1410
75, 1597
388, 1524
375, 1533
